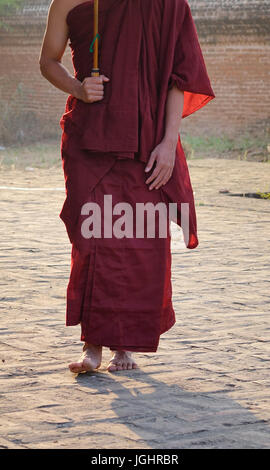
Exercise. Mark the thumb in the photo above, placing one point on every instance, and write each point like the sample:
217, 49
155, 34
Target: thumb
150, 161
105, 79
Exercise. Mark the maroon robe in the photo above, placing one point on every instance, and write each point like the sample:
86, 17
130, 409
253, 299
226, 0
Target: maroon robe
120, 290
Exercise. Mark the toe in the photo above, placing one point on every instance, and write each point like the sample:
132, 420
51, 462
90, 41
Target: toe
75, 367
135, 366
112, 367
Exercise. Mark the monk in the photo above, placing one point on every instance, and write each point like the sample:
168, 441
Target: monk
121, 149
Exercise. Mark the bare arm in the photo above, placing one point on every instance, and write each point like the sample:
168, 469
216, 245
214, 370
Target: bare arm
164, 153
53, 47
174, 111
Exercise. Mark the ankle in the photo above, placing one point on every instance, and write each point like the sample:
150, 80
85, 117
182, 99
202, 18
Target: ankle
121, 351
91, 346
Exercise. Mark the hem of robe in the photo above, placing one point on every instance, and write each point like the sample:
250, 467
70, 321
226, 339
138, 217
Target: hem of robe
123, 347
189, 93
200, 105
78, 313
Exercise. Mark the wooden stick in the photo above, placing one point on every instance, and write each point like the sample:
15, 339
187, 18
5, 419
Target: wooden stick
95, 70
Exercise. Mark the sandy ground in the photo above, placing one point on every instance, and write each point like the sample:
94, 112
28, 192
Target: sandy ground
208, 384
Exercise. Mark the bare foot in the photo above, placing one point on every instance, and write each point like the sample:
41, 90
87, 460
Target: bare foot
121, 360
89, 360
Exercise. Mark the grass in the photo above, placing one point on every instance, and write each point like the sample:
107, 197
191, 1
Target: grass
242, 147
38, 155
46, 153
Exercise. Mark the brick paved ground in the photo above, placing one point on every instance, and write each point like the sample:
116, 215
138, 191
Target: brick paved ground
208, 385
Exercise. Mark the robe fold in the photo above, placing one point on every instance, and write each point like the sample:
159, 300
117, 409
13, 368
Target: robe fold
120, 289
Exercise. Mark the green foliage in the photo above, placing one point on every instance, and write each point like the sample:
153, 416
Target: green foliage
7, 6
221, 144
263, 195
244, 145
44, 154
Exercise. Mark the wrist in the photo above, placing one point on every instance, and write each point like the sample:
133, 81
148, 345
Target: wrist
76, 88
170, 139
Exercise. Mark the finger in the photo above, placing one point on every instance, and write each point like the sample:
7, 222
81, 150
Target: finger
95, 79
158, 179
165, 180
97, 98
92, 93
91, 98
93, 89
95, 86
98, 80
151, 162
154, 175
90, 81
104, 78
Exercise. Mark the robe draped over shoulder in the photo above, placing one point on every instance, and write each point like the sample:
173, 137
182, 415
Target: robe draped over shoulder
145, 47
189, 71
